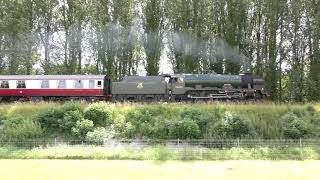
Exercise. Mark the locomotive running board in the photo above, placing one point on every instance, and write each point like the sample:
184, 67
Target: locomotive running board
215, 96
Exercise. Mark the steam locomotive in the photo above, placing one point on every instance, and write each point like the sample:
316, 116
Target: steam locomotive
180, 87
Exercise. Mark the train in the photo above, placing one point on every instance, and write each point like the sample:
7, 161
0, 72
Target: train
162, 88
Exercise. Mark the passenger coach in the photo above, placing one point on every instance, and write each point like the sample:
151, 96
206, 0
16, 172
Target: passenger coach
54, 87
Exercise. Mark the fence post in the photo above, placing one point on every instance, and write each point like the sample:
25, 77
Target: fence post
178, 143
300, 142
55, 148
238, 143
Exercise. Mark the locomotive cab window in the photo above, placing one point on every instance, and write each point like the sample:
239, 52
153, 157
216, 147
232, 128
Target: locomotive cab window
21, 84
45, 84
62, 84
99, 83
4, 84
173, 80
77, 84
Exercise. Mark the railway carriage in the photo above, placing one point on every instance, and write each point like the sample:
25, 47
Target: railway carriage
54, 87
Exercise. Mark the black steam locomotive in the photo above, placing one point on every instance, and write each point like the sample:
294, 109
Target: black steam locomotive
189, 87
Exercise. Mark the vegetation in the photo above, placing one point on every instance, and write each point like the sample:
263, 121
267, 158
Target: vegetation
159, 153
97, 121
276, 39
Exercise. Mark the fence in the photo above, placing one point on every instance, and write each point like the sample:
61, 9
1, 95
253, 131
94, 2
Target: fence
171, 144
205, 149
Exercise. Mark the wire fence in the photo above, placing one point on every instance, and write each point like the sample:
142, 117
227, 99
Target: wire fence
171, 144
176, 149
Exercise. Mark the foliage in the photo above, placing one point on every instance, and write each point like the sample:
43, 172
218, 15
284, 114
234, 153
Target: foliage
81, 128
184, 129
294, 127
98, 135
59, 119
159, 153
99, 113
151, 121
233, 126
19, 127
70, 119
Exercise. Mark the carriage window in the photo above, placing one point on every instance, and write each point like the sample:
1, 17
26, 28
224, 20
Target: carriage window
4, 84
45, 84
62, 84
77, 84
91, 84
21, 84
99, 83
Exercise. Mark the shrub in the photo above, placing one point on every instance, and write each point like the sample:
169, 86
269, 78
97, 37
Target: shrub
184, 129
52, 120
160, 129
233, 126
294, 127
19, 127
139, 122
204, 119
138, 116
311, 109
199, 116
129, 130
3, 113
124, 129
98, 135
82, 128
70, 119
100, 113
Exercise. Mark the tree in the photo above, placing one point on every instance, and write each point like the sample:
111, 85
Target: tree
153, 25
46, 27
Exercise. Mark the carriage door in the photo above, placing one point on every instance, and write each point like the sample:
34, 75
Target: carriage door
107, 86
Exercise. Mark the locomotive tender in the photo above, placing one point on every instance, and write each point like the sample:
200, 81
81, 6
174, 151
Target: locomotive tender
180, 87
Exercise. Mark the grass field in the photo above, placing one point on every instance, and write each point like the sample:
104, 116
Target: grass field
87, 169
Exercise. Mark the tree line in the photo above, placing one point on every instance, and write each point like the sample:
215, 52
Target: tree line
276, 39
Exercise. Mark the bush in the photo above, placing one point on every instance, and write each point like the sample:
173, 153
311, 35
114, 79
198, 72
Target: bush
204, 119
294, 127
70, 119
98, 135
100, 113
53, 120
139, 123
201, 117
140, 115
3, 113
19, 127
184, 129
311, 109
82, 128
233, 126
160, 129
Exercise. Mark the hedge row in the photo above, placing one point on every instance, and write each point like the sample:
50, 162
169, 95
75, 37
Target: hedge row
98, 121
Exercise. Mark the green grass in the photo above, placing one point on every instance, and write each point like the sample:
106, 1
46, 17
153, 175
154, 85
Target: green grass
159, 153
175, 170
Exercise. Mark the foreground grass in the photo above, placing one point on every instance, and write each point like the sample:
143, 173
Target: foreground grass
159, 153
87, 169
